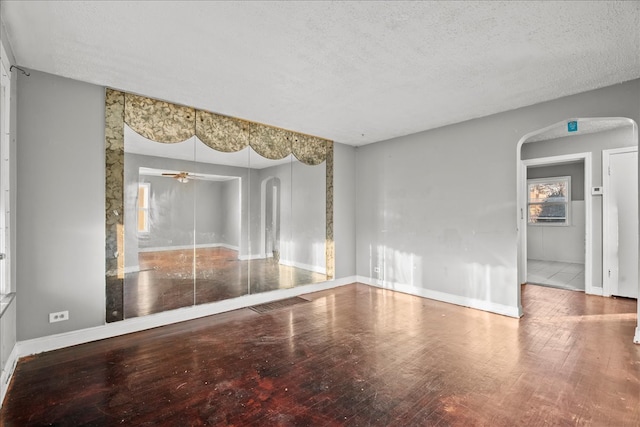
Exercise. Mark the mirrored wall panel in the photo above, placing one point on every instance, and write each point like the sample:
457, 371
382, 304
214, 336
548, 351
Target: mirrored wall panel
203, 208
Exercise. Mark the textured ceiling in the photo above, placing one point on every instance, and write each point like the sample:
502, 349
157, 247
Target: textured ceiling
354, 72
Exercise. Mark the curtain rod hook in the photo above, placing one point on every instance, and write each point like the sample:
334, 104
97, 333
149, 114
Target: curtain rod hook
21, 70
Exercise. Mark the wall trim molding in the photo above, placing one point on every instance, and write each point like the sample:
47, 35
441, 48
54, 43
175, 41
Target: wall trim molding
596, 291
303, 266
7, 373
186, 247
250, 257
609, 240
131, 269
474, 303
127, 326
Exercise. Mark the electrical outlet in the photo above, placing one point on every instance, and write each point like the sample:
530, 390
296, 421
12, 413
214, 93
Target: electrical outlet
59, 316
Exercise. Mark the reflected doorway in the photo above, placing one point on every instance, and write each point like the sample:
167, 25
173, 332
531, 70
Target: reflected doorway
556, 223
271, 211
562, 141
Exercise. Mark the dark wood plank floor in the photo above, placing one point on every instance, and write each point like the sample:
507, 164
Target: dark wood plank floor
172, 279
355, 356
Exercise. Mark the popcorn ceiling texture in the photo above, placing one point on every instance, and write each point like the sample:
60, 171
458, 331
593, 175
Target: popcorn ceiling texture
353, 72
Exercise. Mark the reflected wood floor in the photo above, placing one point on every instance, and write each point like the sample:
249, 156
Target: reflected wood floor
356, 356
171, 279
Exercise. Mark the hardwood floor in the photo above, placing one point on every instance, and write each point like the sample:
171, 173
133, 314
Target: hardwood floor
355, 356
171, 279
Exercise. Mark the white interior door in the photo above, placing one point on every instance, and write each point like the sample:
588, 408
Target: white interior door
621, 222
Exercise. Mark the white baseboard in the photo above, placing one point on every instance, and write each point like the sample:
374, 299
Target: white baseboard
483, 305
187, 247
7, 373
592, 290
636, 339
308, 267
131, 269
67, 339
250, 257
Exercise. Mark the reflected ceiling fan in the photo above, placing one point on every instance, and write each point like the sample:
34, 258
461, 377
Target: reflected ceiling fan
182, 177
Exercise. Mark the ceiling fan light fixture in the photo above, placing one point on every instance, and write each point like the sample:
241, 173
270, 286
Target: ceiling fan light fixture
183, 179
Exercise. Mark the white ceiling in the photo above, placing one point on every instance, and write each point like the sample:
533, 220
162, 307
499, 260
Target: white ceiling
354, 72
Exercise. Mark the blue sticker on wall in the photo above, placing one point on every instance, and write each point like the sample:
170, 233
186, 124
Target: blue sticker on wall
572, 126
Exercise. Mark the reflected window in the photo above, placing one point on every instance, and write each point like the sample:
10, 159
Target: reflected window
143, 207
548, 200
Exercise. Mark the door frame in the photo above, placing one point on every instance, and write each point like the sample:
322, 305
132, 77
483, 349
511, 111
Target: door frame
588, 227
606, 212
520, 194
6, 284
263, 214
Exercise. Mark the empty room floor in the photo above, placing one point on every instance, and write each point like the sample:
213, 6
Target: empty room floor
356, 356
566, 275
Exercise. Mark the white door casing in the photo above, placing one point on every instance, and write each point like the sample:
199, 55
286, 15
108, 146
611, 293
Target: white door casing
5, 93
521, 203
522, 253
620, 222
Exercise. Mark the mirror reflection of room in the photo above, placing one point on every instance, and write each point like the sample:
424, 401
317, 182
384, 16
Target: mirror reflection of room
203, 225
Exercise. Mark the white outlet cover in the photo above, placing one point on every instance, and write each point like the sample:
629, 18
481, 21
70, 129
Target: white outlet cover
59, 316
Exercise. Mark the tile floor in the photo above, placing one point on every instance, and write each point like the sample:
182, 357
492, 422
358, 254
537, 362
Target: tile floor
564, 275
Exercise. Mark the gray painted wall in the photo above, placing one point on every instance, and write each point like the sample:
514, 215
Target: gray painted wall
60, 232
182, 214
559, 243
174, 206
60, 210
553, 243
574, 170
8, 319
344, 209
302, 212
437, 209
593, 143
230, 226
308, 201
424, 194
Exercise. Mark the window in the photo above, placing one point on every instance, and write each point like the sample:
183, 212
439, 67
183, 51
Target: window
143, 207
548, 200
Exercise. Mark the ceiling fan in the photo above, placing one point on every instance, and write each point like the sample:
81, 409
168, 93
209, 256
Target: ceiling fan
182, 177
